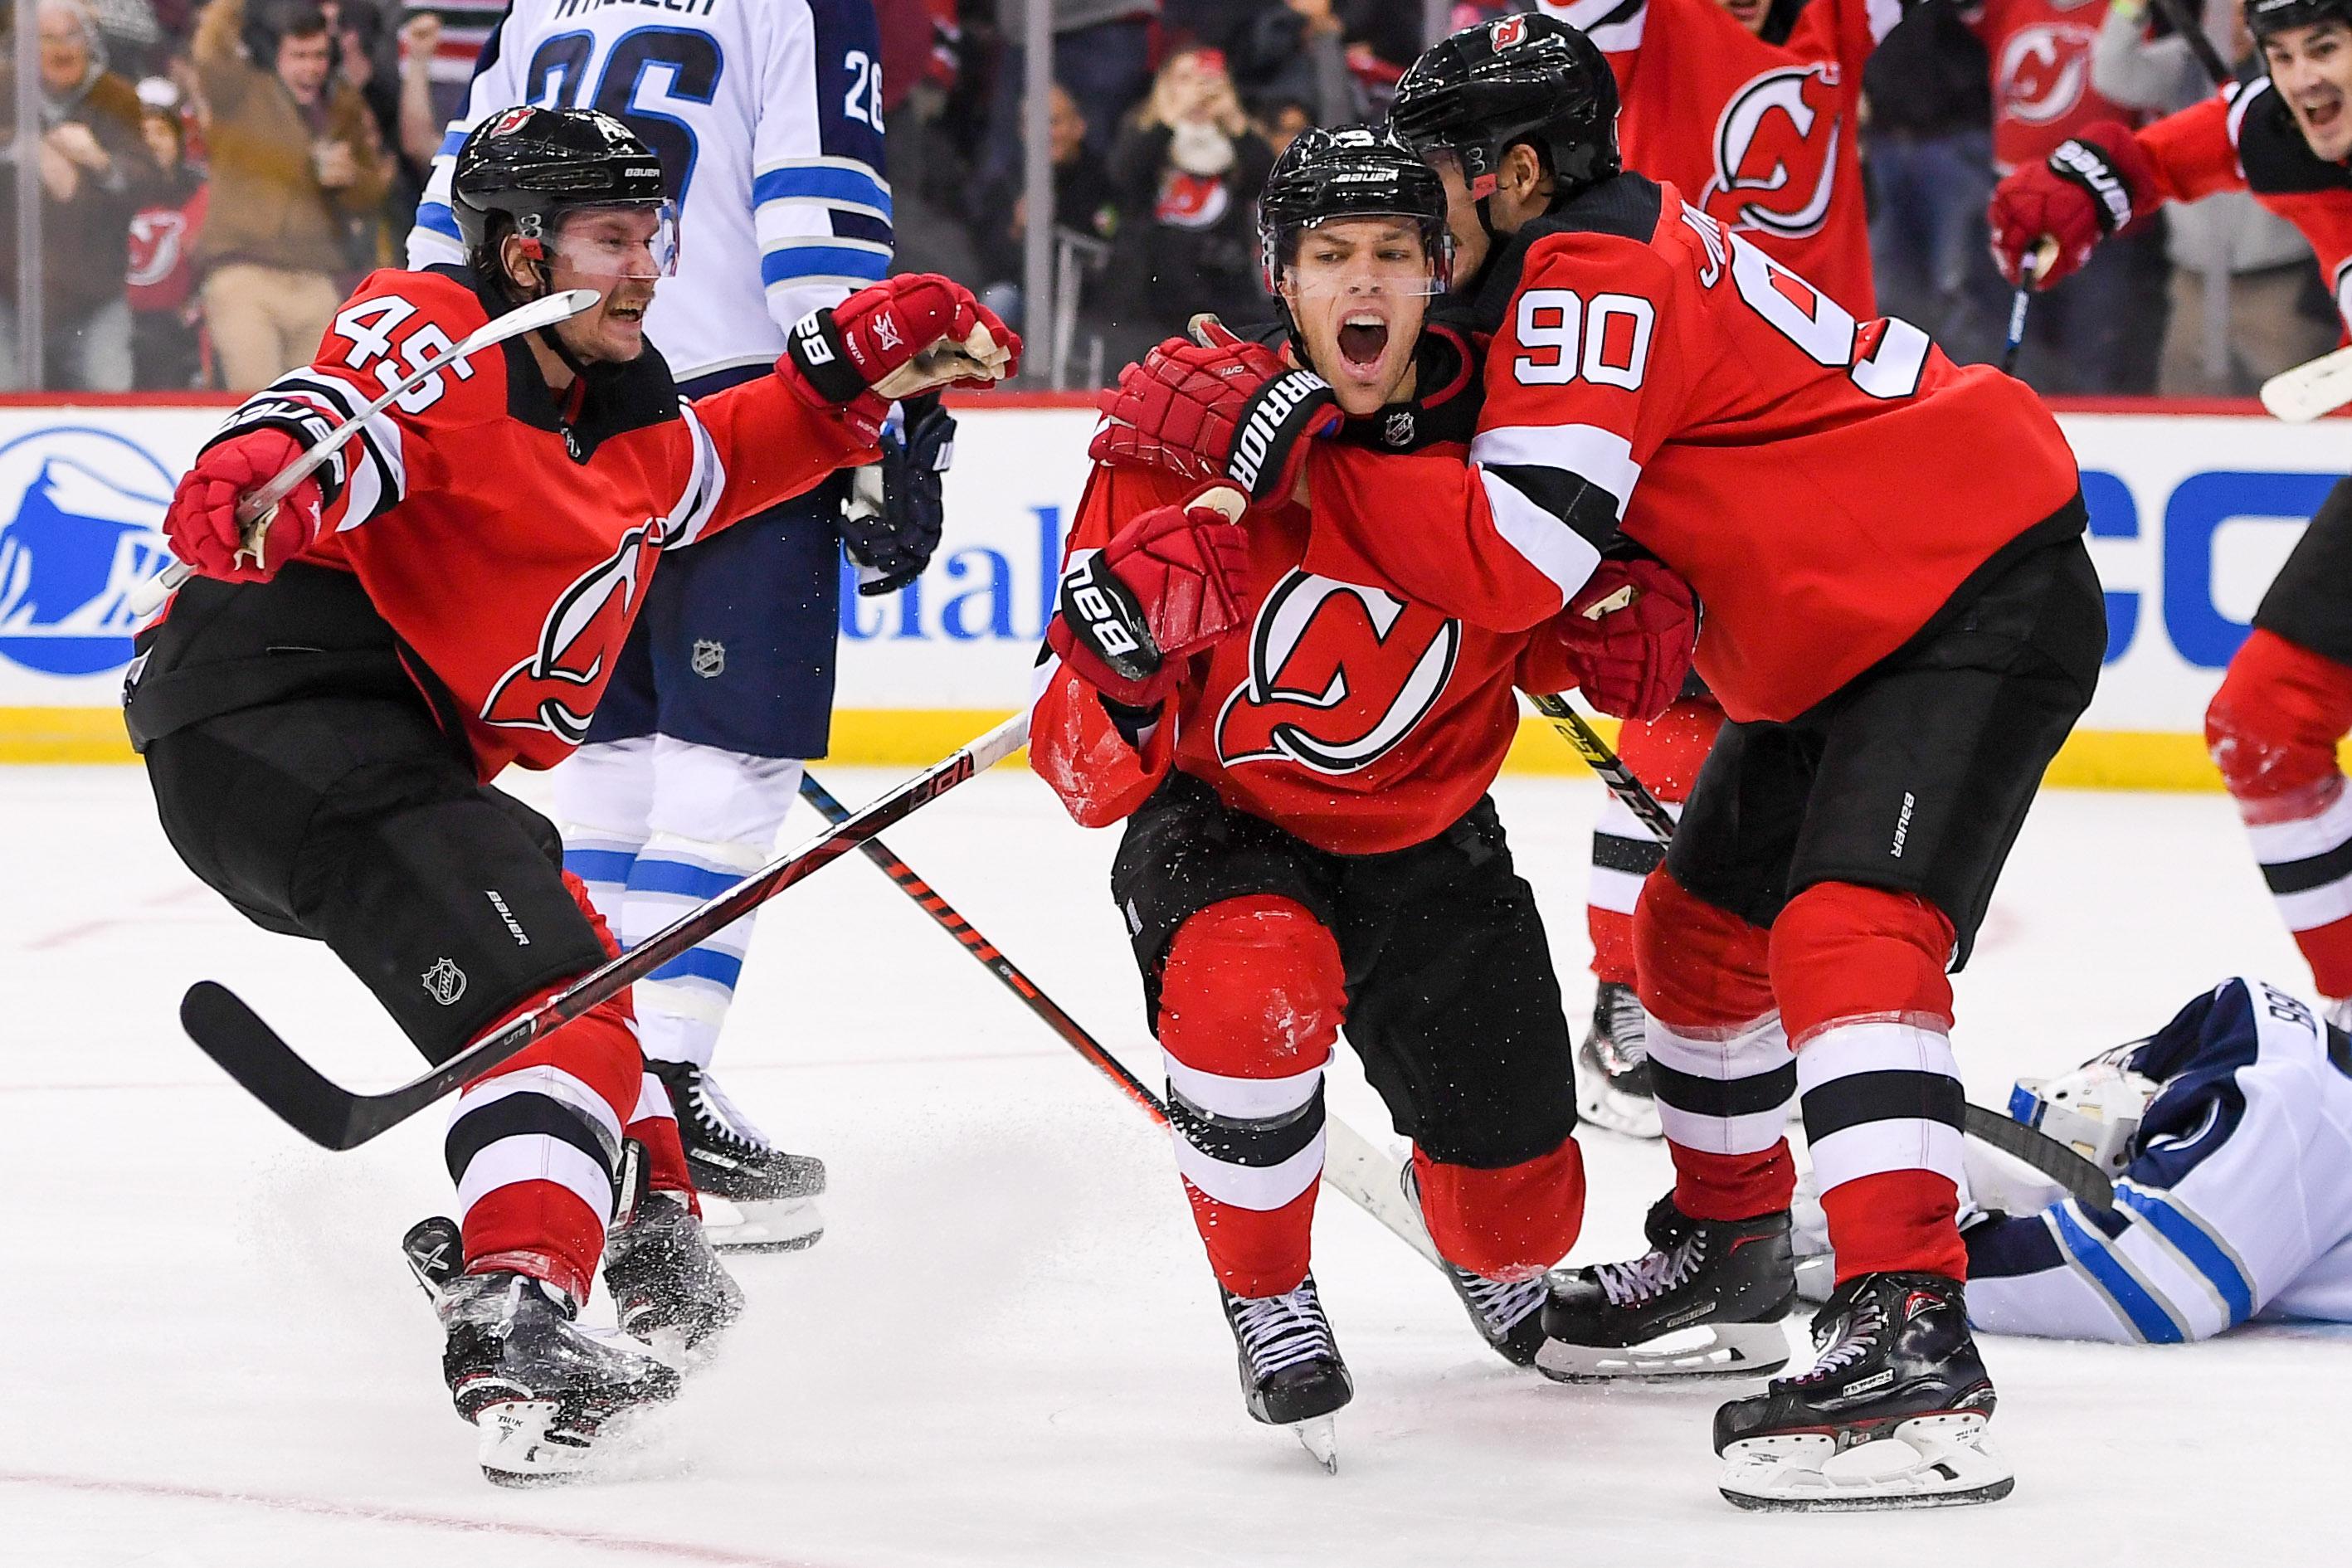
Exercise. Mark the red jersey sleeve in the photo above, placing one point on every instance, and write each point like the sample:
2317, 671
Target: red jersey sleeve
742, 451
2195, 151
1100, 772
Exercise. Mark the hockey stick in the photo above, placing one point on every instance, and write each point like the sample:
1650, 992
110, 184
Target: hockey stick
2193, 34
230, 1033
2027, 270
253, 513
2308, 390
1352, 1165
2080, 1178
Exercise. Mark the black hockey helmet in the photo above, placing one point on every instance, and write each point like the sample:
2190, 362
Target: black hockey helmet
1358, 170
2266, 19
1527, 77
528, 167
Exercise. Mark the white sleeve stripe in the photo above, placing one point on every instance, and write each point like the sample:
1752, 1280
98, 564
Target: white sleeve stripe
2242, 100
1600, 457
1548, 545
781, 204
704, 484
379, 439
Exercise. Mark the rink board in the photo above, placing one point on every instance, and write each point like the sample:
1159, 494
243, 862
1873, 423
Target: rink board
2192, 509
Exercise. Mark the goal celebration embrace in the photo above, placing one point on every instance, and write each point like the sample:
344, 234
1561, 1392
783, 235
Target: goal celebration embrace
1761, 1116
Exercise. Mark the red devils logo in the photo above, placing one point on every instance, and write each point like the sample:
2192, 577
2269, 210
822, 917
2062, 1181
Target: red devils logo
557, 687
2043, 71
1339, 674
1503, 34
1776, 152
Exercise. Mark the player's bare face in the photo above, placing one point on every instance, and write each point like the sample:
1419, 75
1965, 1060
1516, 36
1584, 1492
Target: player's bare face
1461, 215
1358, 288
619, 252
2311, 68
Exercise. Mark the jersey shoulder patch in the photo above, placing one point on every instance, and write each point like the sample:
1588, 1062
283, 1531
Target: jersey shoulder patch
2271, 147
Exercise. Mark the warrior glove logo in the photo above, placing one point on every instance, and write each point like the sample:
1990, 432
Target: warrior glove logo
1776, 153
556, 687
1272, 422
1339, 675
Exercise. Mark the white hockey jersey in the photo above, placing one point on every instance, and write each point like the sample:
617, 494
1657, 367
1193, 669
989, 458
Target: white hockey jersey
2237, 1203
767, 115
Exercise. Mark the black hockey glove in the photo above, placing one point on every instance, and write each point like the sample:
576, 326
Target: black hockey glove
892, 535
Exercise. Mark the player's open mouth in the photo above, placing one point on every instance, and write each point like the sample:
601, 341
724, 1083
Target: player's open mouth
2322, 110
617, 312
1745, 12
1363, 339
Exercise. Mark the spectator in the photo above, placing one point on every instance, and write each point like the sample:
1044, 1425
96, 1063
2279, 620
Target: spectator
294, 159
88, 146
169, 198
1082, 202
2239, 272
130, 34
421, 119
1297, 52
922, 43
1102, 54
1185, 173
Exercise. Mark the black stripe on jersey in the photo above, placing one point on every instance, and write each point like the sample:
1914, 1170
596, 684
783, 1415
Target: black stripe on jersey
2272, 150
1576, 500
862, 226
1257, 1144
1627, 206
1894, 1095
390, 489
2314, 871
521, 1116
1723, 1098
1634, 856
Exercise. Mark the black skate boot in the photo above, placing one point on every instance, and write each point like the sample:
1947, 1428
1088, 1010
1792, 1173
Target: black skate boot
1612, 1066
1891, 1414
669, 1286
1291, 1372
1508, 1317
538, 1387
772, 1194
1730, 1277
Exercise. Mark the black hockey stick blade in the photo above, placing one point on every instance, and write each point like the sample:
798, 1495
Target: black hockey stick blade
273, 1072
2084, 1181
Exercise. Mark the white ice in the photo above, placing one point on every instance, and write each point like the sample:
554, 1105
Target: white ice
1006, 1350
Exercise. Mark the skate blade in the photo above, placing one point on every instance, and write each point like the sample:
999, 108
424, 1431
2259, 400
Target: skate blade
1613, 1110
1319, 1435
1929, 1461
517, 1445
779, 1224
1710, 1350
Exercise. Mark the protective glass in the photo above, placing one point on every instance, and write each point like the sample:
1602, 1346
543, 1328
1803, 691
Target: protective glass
1362, 254
607, 245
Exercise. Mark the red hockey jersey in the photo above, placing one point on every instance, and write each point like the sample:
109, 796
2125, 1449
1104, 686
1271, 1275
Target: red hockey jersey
2246, 138
1356, 714
2041, 90
1760, 136
508, 546
1825, 484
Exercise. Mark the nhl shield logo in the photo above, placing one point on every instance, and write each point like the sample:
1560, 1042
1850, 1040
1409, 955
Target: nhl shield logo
708, 659
1398, 430
1510, 30
445, 982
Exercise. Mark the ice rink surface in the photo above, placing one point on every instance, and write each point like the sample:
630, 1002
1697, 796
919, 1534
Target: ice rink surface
1006, 1350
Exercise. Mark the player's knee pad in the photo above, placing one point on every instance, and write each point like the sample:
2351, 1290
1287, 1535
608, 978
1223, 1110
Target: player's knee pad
1700, 968
1508, 1223
722, 797
2272, 728
1252, 987
1841, 950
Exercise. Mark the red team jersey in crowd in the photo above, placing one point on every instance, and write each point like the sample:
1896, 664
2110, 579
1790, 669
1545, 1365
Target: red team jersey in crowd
2041, 91
510, 568
2246, 140
1760, 136
1825, 484
1355, 712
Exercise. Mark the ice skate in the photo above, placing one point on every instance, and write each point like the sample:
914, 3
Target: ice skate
1291, 1372
1891, 1414
669, 1288
541, 1390
1706, 1300
1612, 1066
1507, 1316
767, 1195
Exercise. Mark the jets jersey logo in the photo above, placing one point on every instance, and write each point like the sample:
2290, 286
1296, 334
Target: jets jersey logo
1776, 152
2043, 71
1338, 676
556, 687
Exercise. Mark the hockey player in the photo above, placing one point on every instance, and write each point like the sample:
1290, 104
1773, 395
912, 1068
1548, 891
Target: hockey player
1901, 645
769, 120
1298, 716
1759, 130
2230, 1131
2287, 698
321, 710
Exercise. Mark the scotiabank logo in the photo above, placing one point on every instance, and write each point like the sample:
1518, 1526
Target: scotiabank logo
2043, 71
1339, 674
1776, 149
556, 687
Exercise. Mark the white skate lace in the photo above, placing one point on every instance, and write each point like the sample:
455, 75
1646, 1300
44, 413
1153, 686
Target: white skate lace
1278, 1332
1857, 1337
1652, 1276
1503, 1304
1627, 1042
715, 1111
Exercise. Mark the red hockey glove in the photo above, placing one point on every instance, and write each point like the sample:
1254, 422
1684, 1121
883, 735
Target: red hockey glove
2095, 184
1168, 585
1220, 407
901, 337
1632, 654
202, 520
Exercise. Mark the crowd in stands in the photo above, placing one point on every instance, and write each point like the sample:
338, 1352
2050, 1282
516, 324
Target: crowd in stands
216, 173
